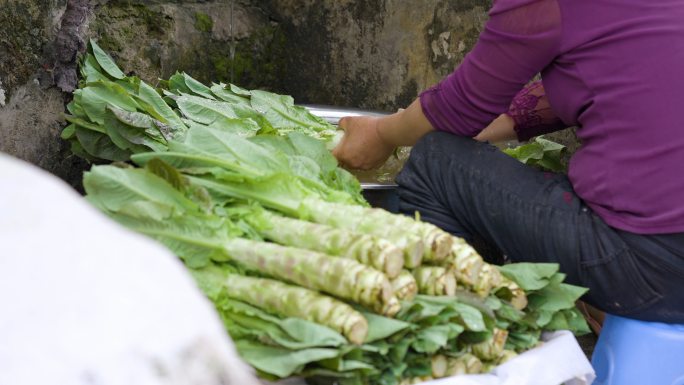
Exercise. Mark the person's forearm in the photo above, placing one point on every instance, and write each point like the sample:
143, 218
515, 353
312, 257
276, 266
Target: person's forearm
405, 127
501, 129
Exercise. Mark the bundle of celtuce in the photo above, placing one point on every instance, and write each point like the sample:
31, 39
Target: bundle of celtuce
308, 280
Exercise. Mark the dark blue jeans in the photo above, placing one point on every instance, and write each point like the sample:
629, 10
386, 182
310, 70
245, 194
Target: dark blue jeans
475, 191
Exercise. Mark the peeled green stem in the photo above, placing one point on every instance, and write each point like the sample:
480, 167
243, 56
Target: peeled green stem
507, 355
293, 301
439, 365
464, 364
404, 286
375, 252
488, 279
464, 262
341, 277
492, 348
437, 242
402, 231
391, 307
435, 280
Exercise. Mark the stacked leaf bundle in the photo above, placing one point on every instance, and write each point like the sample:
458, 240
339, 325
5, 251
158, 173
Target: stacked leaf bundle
309, 281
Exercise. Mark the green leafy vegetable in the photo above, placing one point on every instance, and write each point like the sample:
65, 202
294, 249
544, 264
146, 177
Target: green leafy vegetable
105, 62
541, 152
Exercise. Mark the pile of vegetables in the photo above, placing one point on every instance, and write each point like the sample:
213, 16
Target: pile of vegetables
308, 279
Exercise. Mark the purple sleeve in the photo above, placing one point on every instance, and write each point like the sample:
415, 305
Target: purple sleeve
519, 40
532, 113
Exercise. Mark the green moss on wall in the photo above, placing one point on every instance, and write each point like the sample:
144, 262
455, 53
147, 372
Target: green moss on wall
203, 22
257, 62
122, 23
133, 34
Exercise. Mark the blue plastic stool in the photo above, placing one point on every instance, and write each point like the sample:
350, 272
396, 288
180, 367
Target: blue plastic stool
639, 353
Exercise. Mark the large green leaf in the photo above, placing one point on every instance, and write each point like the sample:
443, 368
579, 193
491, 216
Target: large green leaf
555, 297
246, 321
197, 88
278, 361
540, 152
244, 127
177, 84
205, 111
430, 310
106, 62
152, 99
74, 106
68, 132
225, 145
431, 339
314, 150
311, 161
278, 192
226, 94
136, 128
470, 317
91, 70
78, 150
281, 111
380, 327
100, 146
529, 276
111, 188
124, 136
95, 97
85, 124
183, 156
522, 340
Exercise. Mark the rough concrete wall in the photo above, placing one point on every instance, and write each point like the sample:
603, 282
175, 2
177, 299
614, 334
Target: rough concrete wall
378, 54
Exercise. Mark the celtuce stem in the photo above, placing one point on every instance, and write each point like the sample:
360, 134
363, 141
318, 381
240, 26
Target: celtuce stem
405, 286
492, 348
464, 364
437, 242
377, 253
402, 231
435, 280
464, 262
341, 277
488, 279
391, 307
293, 301
439, 365
506, 356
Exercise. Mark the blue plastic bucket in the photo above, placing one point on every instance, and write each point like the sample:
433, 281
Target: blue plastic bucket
639, 353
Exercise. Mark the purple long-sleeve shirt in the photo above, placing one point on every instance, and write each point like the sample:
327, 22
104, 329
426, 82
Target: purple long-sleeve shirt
613, 68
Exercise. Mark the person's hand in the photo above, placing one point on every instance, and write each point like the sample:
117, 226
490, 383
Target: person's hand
361, 146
